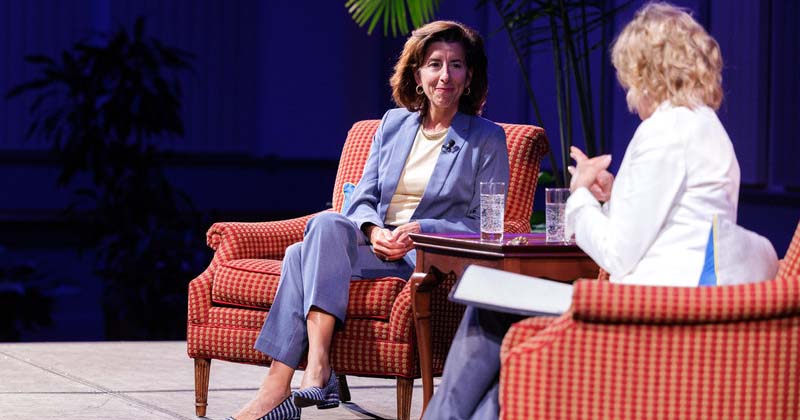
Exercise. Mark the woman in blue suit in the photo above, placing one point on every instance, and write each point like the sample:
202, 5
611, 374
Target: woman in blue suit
426, 161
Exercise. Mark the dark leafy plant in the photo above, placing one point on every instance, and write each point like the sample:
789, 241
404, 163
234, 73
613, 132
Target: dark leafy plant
570, 29
106, 97
149, 241
106, 105
24, 300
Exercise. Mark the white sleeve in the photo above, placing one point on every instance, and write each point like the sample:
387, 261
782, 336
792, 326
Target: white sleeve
642, 197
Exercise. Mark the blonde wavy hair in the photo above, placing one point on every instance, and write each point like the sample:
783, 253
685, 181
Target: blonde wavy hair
664, 54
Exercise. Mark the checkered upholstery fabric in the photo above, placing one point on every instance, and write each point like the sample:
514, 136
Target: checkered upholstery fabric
526, 146
635, 352
253, 283
373, 298
524, 329
445, 318
609, 302
354, 157
200, 298
233, 241
249, 283
790, 264
230, 300
230, 333
402, 321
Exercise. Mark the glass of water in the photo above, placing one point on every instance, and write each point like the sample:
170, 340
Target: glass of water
555, 204
493, 207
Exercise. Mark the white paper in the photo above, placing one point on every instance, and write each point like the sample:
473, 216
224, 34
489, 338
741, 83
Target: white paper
510, 292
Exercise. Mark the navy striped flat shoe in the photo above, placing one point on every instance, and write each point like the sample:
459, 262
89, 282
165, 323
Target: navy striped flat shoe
323, 398
286, 410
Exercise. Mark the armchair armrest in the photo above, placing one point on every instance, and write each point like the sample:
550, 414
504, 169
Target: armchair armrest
237, 240
605, 302
523, 330
517, 226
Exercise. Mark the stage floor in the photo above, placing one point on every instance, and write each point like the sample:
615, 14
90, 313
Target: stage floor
149, 380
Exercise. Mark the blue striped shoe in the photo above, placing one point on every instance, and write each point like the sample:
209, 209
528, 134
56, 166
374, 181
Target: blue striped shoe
323, 398
285, 411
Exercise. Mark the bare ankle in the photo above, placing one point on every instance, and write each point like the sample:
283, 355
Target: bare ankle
273, 392
264, 401
315, 375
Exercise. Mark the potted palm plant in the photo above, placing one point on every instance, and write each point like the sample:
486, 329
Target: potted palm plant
106, 105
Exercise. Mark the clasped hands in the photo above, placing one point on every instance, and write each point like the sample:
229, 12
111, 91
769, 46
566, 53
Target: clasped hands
591, 174
391, 245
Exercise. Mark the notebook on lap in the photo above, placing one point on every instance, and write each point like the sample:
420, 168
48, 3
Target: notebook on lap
503, 291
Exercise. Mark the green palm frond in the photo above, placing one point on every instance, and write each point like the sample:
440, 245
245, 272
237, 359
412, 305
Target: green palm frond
394, 14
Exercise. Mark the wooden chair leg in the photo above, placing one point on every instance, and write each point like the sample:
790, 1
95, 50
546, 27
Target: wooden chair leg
202, 371
344, 390
405, 388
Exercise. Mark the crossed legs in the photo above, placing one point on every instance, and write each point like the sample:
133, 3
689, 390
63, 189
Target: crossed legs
312, 297
276, 386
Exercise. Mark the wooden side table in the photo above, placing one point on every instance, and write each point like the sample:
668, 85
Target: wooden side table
445, 256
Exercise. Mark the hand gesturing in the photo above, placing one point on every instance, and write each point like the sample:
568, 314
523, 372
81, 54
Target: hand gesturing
591, 173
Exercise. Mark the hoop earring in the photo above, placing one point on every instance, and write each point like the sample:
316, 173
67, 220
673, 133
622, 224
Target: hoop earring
419, 90
468, 91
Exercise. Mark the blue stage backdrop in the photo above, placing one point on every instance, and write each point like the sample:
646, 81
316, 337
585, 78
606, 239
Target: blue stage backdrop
276, 85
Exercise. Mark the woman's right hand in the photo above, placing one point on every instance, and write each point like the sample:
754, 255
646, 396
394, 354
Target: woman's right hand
387, 246
603, 182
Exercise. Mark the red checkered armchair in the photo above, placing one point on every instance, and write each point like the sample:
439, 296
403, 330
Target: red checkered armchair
230, 300
645, 352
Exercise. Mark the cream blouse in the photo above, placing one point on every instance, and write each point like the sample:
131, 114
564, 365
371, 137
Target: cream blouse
416, 174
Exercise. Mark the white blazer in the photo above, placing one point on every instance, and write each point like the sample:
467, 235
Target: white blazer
678, 171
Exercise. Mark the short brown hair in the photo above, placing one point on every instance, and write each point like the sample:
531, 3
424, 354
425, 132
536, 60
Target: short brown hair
404, 84
665, 54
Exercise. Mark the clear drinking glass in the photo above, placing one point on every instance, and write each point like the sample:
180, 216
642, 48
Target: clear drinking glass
493, 206
555, 203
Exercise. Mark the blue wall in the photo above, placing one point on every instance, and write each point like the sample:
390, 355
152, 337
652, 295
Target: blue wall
268, 72
277, 84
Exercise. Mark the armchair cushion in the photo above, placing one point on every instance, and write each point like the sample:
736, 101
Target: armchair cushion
253, 283
247, 283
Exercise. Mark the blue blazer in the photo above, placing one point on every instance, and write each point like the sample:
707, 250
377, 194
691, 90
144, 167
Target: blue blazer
451, 201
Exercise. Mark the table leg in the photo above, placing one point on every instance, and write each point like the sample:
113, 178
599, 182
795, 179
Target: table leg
421, 286
421, 305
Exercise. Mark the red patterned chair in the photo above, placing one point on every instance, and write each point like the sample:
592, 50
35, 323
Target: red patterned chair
230, 300
639, 352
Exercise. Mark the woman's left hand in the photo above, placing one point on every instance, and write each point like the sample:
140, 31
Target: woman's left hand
401, 233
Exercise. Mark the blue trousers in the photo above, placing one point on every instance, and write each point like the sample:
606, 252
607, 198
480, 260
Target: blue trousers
470, 387
317, 273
